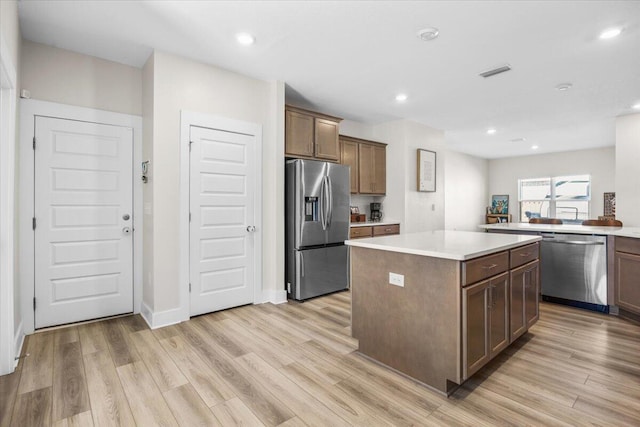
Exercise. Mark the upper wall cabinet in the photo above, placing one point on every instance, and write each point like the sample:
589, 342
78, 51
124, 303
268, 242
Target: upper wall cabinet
311, 135
368, 162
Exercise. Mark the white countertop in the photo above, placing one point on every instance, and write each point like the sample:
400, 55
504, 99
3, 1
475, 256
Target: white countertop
565, 228
372, 223
447, 244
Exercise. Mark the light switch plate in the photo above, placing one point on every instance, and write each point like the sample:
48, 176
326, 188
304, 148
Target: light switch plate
396, 279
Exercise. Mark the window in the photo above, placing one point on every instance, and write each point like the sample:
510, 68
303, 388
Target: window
563, 197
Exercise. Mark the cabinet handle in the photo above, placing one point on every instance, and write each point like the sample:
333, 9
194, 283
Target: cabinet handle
525, 254
489, 267
387, 229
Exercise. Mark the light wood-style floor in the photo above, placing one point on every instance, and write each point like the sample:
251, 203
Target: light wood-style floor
295, 365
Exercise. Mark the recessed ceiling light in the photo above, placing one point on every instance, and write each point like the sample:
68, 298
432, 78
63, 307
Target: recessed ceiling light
564, 86
636, 106
427, 34
491, 131
534, 147
401, 97
610, 33
245, 39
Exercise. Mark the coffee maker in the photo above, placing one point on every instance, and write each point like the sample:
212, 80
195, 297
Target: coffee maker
376, 212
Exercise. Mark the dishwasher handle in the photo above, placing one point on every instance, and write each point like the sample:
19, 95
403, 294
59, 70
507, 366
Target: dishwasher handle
575, 242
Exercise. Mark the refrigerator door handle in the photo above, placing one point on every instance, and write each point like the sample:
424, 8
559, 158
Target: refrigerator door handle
301, 264
330, 197
323, 202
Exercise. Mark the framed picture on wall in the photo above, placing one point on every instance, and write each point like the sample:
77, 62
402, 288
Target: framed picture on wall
500, 204
426, 170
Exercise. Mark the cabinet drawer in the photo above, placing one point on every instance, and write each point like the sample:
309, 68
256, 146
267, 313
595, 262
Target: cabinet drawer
356, 232
480, 268
381, 230
524, 254
628, 245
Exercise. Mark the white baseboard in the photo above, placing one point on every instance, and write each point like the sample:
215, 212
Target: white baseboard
274, 296
161, 319
18, 342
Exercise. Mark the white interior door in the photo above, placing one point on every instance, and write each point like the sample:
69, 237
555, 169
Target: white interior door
222, 191
84, 221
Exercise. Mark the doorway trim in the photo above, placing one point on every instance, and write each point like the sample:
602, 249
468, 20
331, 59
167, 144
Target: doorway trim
11, 338
29, 109
188, 119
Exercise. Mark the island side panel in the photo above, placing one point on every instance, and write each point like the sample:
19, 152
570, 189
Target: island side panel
416, 328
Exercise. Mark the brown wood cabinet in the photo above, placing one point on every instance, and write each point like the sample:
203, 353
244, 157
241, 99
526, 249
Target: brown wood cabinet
311, 135
368, 162
524, 298
349, 157
373, 168
485, 312
372, 231
627, 272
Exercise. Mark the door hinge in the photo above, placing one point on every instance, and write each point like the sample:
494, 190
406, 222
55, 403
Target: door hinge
189, 287
189, 216
33, 222
34, 142
34, 303
190, 142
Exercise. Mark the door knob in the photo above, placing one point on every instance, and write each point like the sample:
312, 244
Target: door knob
126, 217
126, 230
251, 228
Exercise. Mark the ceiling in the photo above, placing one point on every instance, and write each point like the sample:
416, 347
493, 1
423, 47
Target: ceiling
350, 59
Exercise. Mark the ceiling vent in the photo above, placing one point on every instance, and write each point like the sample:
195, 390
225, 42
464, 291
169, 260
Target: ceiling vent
502, 69
516, 140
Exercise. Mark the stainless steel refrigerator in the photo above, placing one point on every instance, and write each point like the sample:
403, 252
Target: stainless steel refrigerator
317, 224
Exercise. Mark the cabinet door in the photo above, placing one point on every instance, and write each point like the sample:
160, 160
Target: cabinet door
475, 330
517, 322
349, 157
627, 288
379, 170
532, 293
299, 134
499, 315
365, 175
326, 138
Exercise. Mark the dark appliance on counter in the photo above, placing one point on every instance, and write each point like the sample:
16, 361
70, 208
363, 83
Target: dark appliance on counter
376, 212
317, 217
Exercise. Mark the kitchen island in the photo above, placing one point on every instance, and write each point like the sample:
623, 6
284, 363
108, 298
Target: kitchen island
437, 306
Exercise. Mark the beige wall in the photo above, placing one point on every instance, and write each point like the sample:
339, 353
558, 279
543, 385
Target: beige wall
627, 163
182, 84
599, 163
466, 188
417, 211
10, 28
66, 77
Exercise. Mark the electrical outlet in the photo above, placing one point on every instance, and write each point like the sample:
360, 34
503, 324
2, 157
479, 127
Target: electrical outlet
396, 279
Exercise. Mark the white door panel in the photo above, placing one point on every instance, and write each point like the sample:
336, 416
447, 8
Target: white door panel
83, 190
222, 192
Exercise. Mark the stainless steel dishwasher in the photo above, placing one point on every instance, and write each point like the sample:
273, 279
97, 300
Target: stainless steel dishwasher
574, 270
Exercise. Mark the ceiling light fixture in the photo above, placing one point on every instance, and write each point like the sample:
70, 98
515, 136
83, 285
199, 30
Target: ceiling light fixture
245, 39
401, 97
534, 147
491, 131
564, 86
610, 33
428, 34
636, 106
